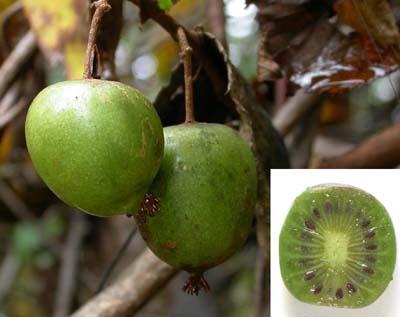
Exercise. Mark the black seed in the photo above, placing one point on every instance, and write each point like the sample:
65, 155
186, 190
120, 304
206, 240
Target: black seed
351, 288
308, 224
339, 293
368, 270
309, 275
317, 289
328, 206
370, 258
365, 223
316, 213
371, 247
370, 233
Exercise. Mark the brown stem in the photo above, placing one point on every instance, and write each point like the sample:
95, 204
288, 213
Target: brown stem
186, 56
102, 6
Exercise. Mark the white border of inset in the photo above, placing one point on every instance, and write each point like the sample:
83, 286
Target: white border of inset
286, 185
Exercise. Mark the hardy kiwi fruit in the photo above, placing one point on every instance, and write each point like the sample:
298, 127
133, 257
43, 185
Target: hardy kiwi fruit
206, 189
97, 144
337, 247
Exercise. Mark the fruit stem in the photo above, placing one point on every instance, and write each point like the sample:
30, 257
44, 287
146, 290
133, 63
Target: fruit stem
186, 57
92, 55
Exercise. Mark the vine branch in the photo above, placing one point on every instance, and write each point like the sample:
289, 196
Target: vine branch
186, 56
140, 281
102, 6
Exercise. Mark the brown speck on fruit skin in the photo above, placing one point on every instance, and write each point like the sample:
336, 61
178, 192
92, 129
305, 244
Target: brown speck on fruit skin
196, 227
149, 206
195, 283
170, 244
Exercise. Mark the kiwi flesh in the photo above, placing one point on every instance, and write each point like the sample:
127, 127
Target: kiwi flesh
337, 247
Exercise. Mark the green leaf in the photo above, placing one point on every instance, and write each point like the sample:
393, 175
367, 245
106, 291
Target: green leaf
165, 4
27, 239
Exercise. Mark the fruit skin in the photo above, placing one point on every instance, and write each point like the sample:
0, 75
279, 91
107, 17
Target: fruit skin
207, 188
292, 272
97, 144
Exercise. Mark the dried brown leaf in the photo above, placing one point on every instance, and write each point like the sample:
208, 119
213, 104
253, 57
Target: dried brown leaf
313, 53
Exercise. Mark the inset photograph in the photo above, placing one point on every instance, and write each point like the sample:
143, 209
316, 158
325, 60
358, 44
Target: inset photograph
333, 243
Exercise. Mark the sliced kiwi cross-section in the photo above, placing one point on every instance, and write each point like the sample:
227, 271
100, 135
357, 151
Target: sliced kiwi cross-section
337, 247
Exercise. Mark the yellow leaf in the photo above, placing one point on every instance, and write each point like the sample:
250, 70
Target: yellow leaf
4, 4
54, 21
74, 56
61, 26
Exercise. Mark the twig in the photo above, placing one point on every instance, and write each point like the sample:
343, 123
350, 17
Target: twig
141, 280
8, 13
13, 112
10, 97
382, 150
186, 56
115, 260
8, 271
16, 205
302, 139
102, 7
69, 265
16, 60
294, 110
216, 20
261, 285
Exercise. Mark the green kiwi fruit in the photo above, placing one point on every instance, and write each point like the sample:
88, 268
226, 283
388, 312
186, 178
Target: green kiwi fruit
96, 144
337, 247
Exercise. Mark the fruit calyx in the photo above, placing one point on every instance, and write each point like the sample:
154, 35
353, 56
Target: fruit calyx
195, 283
149, 207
